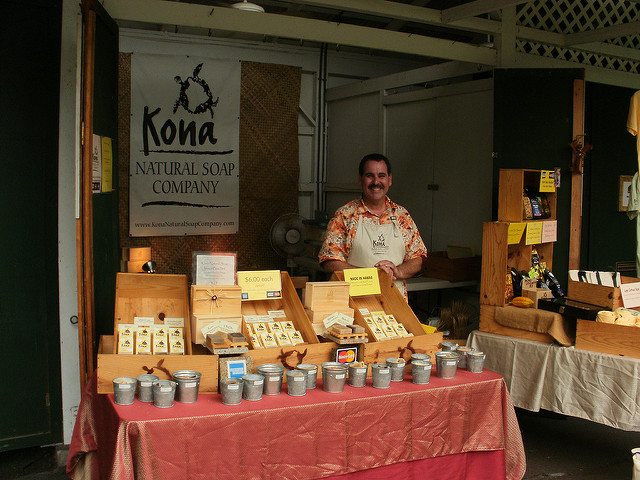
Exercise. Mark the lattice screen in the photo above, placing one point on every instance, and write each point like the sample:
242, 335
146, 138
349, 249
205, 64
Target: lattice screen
576, 16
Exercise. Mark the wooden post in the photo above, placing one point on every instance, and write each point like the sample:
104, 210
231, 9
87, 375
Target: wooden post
575, 232
85, 222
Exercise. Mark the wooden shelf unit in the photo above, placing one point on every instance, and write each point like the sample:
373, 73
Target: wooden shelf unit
511, 187
497, 255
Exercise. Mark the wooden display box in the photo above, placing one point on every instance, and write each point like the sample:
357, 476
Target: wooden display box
216, 299
391, 301
608, 338
498, 256
317, 316
323, 296
439, 265
606, 297
512, 184
158, 296
312, 351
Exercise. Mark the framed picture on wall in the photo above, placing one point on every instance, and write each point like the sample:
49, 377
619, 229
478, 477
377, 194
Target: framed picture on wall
624, 192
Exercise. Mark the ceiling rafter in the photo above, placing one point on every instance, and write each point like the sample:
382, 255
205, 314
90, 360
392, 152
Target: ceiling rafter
600, 34
478, 7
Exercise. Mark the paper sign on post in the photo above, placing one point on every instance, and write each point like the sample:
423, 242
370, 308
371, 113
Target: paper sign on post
549, 231
547, 181
260, 284
514, 233
534, 233
630, 294
362, 281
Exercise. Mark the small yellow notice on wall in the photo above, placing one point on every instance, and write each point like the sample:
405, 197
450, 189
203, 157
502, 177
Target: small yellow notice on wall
547, 182
534, 233
362, 281
260, 284
514, 234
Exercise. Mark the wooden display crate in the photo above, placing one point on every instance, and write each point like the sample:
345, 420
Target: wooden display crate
323, 296
391, 301
312, 351
158, 296
511, 187
488, 324
439, 265
605, 297
608, 338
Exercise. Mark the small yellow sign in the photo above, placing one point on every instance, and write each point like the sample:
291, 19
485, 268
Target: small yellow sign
260, 284
514, 234
362, 281
547, 181
534, 233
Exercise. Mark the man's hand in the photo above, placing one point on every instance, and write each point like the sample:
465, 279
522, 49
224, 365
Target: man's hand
403, 271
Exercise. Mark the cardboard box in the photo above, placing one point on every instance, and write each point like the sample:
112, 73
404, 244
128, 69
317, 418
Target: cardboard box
536, 294
439, 265
216, 299
608, 338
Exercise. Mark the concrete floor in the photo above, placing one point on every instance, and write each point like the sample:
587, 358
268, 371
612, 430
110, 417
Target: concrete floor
556, 447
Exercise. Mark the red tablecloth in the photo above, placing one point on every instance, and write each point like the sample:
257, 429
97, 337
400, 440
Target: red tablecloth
463, 428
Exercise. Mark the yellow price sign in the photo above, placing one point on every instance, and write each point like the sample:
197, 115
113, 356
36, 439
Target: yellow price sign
362, 281
534, 233
547, 181
514, 234
260, 284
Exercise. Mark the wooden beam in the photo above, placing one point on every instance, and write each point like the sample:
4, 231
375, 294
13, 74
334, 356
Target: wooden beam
85, 237
600, 34
472, 9
575, 232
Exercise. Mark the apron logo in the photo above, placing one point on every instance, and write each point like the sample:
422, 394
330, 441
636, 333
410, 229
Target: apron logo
380, 243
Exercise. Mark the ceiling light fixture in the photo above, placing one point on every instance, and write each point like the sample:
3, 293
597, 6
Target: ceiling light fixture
248, 7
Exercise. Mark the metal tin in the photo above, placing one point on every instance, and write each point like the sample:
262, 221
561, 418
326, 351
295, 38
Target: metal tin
449, 346
420, 356
420, 371
273, 374
311, 372
462, 361
231, 390
397, 368
381, 374
252, 386
296, 383
358, 374
124, 390
475, 361
145, 387
334, 378
188, 384
164, 392
446, 364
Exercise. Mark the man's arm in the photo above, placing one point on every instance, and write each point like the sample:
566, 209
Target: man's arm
403, 271
331, 266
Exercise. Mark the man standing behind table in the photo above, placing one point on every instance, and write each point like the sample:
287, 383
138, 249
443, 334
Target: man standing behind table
373, 231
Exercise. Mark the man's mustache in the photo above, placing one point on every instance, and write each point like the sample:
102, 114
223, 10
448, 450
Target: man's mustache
372, 186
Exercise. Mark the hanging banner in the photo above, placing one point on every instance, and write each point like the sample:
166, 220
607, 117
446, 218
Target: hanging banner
183, 170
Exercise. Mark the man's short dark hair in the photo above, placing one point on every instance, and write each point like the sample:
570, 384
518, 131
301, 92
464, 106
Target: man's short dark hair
378, 157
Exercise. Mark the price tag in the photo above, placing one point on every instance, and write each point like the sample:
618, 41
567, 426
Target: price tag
260, 285
549, 231
534, 233
547, 181
362, 281
514, 234
630, 294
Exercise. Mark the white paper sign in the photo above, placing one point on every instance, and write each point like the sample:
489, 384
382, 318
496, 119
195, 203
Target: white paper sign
630, 294
184, 165
549, 231
215, 269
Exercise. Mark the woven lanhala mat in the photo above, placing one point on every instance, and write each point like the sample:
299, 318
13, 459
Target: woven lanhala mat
269, 171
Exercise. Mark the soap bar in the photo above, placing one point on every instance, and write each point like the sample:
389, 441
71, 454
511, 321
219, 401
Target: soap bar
176, 346
125, 344
296, 337
143, 345
160, 345
268, 340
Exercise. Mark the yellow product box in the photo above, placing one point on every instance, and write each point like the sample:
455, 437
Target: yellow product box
176, 346
274, 327
369, 321
255, 341
288, 326
126, 330
402, 331
283, 339
296, 337
391, 320
268, 340
380, 321
176, 332
125, 344
378, 333
260, 328
390, 332
160, 345
143, 345
144, 332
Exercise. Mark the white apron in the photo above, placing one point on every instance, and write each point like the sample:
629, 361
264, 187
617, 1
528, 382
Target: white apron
373, 243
